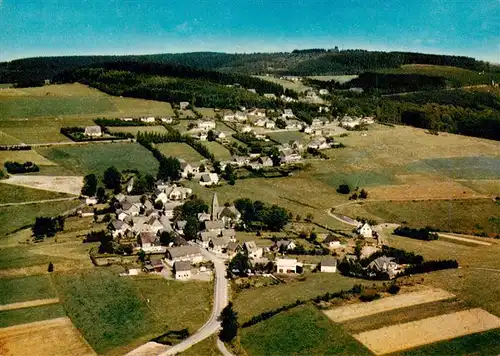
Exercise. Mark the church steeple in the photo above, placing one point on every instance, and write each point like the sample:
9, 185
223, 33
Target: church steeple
215, 207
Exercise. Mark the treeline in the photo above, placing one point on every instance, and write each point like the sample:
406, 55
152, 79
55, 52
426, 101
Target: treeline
359, 61
15, 148
299, 62
424, 234
117, 122
77, 134
197, 89
47, 226
19, 168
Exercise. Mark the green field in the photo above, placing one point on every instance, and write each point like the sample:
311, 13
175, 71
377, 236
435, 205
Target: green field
287, 136
135, 129
287, 84
30, 315
15, 290
206, 112
40, 130
95, 158
475, 167
457, 76
112, 312
220, 152
465, 216
338, 78
300, 331
24, 156
251, 302
14, 217
6, 139
15, 194
30, 106
179, 150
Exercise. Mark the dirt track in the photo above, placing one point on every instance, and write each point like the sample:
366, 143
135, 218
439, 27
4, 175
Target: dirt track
50, 337
29, 304
427, 331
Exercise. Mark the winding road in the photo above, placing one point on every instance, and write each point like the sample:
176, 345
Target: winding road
212, 326
221, 299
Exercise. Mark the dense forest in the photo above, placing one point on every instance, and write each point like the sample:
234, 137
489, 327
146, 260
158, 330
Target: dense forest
299, 62
175, 84
396, 83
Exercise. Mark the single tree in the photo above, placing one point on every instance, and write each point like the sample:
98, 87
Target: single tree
50, 268
191, 229
229, 323
240, 264
170, 169
141, 256
309, 217
211, 135
275, 218
89, 185
166, 238
112, 178
202, 168
101, 195
363, 194
344, 189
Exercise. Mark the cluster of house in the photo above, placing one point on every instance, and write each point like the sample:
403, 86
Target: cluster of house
149, 119
351, 122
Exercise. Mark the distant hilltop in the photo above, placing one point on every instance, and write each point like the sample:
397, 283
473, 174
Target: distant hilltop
303, 62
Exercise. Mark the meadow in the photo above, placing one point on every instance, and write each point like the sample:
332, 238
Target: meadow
287, 84
287, 136
16, 194
15, 217
338, 78
466, 216
251, 302
220, 152
179, 150
113, 312
300, 331
96, 158
30, 315
24, 156
15, 290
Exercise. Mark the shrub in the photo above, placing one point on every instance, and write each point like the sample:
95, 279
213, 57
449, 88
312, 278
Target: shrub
369, 295
420, 234
344, 189
17, 168
393, 289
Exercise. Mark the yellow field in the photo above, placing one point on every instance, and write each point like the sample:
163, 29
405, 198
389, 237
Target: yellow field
135, 129
50, 337
358, 310
427, 331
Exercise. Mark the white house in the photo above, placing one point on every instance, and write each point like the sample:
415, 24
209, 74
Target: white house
328, 264
286, 245
214, 226
167, 120
364, 230
323, 92
205, 237
240, 116
349, 122
93, 131
246, 129
269, 96
318, 144
149, 120
183, 253
287, 114
119, 228
270, 124
184, 105
385, 264
188, 168
331, 241
253, 250
91, 201
182, 270
260, 122
206, 125
294, 125
286, 265
218, 245
149, 241
209, 179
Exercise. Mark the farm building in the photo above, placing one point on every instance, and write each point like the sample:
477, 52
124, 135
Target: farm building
93, 131
286, 265
184, 105
329, 265
182, 270
184, 253
209, 179
364, 230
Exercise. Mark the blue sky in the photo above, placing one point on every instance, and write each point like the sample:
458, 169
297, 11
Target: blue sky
64, 27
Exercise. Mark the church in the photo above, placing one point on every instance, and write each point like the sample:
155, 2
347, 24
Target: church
228, 214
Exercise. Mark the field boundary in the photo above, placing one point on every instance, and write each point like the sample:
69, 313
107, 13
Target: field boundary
29, 304
359, 310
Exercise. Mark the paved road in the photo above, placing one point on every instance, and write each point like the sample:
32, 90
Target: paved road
211, 327
220, 301
38, 201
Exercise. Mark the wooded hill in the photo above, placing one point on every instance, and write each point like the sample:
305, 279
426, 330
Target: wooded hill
303, 62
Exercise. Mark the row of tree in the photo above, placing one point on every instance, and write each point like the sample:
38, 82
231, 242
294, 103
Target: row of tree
19, 168
425, 234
